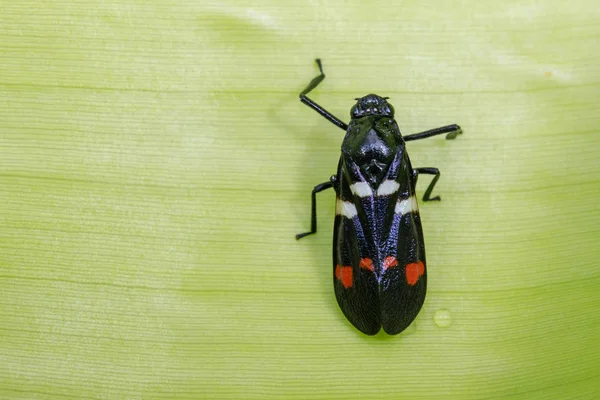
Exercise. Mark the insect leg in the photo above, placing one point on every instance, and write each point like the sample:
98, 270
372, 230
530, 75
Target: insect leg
313, 212
313, 84
451, 130
429, 171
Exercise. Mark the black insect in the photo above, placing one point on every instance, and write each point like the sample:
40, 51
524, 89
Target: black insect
379, 268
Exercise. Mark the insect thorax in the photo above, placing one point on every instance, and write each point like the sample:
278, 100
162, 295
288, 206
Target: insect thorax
372, 142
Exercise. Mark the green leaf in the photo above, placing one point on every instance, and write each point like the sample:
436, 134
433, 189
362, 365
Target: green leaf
155, 165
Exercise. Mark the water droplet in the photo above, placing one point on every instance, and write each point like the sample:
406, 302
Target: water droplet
442, 318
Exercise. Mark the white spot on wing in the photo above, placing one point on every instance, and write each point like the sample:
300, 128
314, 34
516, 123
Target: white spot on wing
361, 189
387, 187
406, 206
345, 208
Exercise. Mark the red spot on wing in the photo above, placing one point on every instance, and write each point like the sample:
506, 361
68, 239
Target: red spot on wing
390, 262
414, 271
366, 263
344, 275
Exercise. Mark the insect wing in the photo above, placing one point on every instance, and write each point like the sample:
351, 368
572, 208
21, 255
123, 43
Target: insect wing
356, 286
379, 252
403, 281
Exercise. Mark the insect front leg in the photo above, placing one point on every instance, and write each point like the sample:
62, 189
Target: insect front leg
313, 212
451, 130
303, 98
429, 171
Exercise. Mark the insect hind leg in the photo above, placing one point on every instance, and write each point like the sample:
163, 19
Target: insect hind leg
429, 171
313, 211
